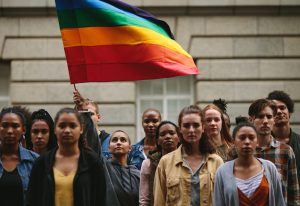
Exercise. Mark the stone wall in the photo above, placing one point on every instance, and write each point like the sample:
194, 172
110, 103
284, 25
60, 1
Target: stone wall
244, 50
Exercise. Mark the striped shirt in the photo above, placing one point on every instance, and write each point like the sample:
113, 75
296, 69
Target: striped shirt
283, 157
249, 185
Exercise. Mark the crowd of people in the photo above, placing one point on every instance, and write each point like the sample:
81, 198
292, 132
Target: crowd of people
70, 161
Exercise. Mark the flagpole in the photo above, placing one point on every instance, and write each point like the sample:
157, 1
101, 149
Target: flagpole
75, 87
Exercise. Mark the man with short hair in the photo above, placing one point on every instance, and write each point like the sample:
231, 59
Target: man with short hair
261, 114
282, 130
83, 104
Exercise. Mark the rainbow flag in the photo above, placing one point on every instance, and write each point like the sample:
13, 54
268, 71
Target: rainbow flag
109, 40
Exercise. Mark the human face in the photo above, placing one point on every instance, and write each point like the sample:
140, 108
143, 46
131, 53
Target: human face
191, 128
94, 115
119, 144
151, 120
11, 129
168, 138
68, 129
245, 141
39, 133
283, 116
264, 122
213, 123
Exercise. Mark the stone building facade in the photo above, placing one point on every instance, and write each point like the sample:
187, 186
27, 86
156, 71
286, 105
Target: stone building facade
244, 49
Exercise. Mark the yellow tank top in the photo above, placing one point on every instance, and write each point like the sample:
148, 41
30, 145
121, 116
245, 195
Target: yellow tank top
63, 188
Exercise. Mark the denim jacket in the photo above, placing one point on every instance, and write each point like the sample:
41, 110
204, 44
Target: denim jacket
27, 159
136, 156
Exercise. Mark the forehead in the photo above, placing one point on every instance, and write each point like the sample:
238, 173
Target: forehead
151, 115
11, 117
212, 113
67, 117
266, 110
246, 129
167, 127
279, 103
191, 118
40, 123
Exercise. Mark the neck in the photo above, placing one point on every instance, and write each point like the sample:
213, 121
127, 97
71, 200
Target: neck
122, 159
39, 150
282, 132
216, 140
68, 150
264, 141
245, 161
10, 149
194, 149
150, 141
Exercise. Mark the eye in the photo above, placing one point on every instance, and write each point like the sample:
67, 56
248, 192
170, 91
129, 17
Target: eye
123, 139
62, 125
114, 139
4, 124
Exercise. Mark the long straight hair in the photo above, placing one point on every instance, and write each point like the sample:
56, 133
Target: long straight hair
205, 146
225, 135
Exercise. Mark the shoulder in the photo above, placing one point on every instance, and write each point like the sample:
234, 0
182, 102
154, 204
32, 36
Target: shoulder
138, 144
145, 164
226, 168
28, 154
215, 160
267, 164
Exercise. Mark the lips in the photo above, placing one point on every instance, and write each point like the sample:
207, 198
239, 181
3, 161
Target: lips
265, 128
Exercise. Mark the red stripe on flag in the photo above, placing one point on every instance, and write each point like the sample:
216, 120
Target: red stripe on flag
125, 63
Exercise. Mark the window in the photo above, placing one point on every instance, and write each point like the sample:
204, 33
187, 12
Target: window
169, 96
4, 84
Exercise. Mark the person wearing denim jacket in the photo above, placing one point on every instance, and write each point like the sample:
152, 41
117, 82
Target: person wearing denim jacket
27, 159
139, 152
16, 162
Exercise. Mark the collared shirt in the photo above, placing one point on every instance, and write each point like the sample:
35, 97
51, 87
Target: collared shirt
283, 157
173, 179
294, 142
24, 167
137, 155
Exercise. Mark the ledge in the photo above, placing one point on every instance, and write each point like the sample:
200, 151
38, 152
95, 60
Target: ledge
170, 7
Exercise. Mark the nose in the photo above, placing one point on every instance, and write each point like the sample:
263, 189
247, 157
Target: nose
247, 140
191, 129
9, 130
265, 119
39, 135
67, 129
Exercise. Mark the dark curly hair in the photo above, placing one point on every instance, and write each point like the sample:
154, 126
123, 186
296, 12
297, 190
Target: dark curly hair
283, 97
44, 116
205, 146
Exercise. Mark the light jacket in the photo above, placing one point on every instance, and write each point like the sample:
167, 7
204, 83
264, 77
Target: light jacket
226, 193
172, 184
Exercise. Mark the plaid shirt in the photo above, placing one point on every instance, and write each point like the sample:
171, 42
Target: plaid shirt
283, 157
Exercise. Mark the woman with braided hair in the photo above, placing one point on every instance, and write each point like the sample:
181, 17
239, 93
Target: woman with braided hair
42, 137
